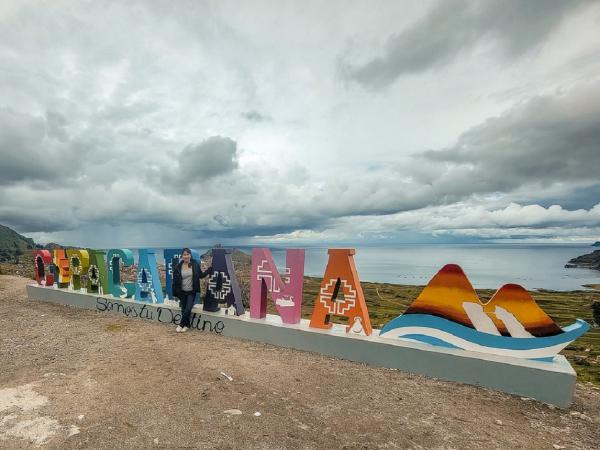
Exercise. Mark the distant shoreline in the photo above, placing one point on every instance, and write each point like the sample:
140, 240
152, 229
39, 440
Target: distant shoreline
24, 270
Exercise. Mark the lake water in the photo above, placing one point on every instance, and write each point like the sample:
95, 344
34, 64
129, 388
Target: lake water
487, 266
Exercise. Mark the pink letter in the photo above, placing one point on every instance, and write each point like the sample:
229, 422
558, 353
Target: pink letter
285, 291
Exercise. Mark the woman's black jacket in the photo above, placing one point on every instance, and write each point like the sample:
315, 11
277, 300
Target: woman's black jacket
197, 273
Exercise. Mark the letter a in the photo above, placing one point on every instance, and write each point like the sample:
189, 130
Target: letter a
341, 277
148, 288
223, 286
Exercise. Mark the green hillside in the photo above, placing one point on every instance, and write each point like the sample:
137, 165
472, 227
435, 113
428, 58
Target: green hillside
13, 246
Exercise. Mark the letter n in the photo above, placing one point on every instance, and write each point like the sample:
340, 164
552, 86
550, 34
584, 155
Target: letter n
285, 291
341, 277
41, 259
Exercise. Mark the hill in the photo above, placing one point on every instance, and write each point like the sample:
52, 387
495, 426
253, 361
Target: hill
13, 245
589, 261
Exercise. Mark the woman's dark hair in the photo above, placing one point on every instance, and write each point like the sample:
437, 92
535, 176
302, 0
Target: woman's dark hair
187, 250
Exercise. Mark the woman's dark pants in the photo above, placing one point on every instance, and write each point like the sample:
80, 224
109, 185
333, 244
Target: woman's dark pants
187, 302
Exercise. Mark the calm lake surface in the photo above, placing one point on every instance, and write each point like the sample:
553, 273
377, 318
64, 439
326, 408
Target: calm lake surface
489, 266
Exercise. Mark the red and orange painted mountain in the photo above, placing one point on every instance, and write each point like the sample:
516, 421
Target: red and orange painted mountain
450, 288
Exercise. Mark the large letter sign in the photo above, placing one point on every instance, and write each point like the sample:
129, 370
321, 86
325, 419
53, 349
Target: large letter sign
507, 343
41, 259
341, 278
61, 262
148, 286
223, 286
97, 276
79, 262
113, 262
285, 291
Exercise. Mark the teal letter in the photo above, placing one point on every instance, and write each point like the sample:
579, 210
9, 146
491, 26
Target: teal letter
148, 288
114, 258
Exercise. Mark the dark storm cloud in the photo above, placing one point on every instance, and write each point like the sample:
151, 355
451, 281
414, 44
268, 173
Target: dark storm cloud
456, 26
214, 156
28, 220
544, 141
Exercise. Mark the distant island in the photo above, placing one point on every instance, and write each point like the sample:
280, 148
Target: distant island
596, 244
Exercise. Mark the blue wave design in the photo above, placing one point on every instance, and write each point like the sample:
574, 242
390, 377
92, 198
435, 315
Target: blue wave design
429, 340
569, 334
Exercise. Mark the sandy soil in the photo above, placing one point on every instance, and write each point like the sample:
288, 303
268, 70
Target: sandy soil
72, 378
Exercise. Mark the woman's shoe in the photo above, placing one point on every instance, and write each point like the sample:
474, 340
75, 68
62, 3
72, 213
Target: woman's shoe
178, 329
184, 329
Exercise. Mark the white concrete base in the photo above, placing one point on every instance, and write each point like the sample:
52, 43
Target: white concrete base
551, 382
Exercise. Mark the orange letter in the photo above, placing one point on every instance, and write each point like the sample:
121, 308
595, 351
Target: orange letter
341, 276
61, 262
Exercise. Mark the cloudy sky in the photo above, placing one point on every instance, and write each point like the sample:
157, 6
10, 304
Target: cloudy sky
298, 122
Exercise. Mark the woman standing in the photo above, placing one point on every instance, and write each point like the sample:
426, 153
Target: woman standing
186, 284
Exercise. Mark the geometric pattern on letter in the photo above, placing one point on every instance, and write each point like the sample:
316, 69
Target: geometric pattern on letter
338, 307
284, 289
225, 285
341, 278
264, 273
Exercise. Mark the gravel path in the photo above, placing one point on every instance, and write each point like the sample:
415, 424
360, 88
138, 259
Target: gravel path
73, 378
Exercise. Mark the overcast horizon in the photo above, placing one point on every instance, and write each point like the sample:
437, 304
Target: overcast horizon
154, 123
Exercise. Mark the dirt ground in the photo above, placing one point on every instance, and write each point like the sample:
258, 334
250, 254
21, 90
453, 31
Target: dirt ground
72, 378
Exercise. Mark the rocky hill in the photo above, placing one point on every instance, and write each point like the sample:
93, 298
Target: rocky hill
13, 245
588, 261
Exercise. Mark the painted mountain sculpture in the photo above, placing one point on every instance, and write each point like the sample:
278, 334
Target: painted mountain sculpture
449, 313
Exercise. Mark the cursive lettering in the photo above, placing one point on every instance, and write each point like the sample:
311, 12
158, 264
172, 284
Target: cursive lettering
162, 315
